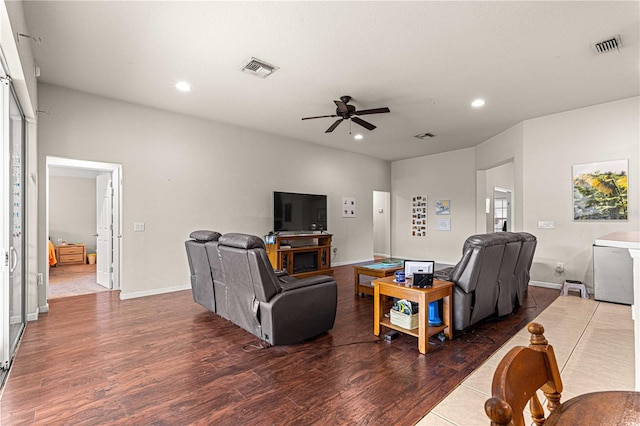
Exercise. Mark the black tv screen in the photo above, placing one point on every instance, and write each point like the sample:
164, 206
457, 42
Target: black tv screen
294, 212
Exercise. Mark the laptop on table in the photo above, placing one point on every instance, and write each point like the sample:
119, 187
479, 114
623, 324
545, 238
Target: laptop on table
420, 271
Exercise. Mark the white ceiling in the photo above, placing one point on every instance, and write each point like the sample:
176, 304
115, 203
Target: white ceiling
426, 61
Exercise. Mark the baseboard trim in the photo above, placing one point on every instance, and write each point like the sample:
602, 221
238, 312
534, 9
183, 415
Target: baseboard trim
155, 291
43, 309
32, 317
544, 284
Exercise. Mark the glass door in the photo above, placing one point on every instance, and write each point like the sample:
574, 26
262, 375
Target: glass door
13, 316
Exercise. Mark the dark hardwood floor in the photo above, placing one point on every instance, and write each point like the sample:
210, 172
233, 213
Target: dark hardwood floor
165, 360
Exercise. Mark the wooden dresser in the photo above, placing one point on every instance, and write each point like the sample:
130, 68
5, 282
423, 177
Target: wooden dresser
70, 254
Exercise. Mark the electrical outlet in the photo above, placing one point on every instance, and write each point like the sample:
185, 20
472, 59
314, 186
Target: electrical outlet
560, 267
138, 227
335, 250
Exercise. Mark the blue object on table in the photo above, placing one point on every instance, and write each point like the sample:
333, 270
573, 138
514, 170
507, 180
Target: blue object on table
434, 314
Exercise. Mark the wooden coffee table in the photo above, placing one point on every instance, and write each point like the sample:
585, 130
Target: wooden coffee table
423, 296
377, 270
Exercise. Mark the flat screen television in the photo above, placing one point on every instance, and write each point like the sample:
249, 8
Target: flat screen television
294, 212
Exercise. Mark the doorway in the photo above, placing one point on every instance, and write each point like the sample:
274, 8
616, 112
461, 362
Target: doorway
102, 239
495, 198
502, 210
381, 224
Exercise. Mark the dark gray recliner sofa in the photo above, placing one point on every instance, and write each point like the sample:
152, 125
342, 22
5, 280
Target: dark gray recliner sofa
492, 276
202, 285
277, 308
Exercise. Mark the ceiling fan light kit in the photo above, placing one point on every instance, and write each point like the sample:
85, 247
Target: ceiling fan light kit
347, 112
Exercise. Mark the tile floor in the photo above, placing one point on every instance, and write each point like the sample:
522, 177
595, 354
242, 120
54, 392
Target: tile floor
593, 343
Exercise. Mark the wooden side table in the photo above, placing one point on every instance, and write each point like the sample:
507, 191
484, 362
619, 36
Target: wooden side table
423, 296
70, 254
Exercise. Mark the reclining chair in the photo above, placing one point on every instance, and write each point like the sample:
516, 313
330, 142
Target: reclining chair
201, 280
475, 293
523, 265
507, 280
219, 282
279, 310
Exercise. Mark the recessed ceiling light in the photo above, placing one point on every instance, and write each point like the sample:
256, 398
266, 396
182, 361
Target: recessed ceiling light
183, 86
477, 103
358, 137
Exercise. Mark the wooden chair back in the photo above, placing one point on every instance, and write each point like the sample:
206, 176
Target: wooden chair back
521, 373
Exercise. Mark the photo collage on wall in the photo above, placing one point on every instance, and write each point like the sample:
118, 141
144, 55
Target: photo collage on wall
419, 216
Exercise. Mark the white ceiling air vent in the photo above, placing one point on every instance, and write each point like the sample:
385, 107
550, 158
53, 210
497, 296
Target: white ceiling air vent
603, 46
424, 136
259, 68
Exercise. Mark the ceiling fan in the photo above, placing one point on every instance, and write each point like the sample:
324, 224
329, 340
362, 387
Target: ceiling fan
347, 112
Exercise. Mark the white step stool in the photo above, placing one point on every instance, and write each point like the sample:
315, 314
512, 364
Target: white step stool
574, 285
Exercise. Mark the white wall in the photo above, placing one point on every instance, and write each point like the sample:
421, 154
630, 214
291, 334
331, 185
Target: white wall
182, 173
554, 143
446, 176
540, 152
72, 210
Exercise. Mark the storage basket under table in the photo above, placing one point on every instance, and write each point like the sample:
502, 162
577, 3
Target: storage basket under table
403, 320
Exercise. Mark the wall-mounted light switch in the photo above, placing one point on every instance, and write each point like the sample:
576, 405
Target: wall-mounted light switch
546, 224
138, 227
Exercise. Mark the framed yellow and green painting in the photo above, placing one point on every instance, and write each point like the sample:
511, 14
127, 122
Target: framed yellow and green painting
600, 191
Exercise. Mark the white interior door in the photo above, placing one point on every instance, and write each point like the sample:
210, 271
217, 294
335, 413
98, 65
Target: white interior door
104, 220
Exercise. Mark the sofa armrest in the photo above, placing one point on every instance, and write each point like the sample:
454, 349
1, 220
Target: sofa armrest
300, 313
289, 283
443, 274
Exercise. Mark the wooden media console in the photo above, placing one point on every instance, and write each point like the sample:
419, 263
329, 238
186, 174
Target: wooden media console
301, 255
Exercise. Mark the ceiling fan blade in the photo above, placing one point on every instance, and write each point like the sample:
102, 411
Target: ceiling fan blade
363, 123
319, 116
333, 126
342, 107
373, 111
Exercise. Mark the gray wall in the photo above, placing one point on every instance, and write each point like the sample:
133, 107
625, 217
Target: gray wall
72, 210
182, 173
541, 152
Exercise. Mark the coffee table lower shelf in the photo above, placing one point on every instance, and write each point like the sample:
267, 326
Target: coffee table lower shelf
432, 331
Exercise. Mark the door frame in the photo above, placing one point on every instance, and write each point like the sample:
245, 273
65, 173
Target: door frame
116, 175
